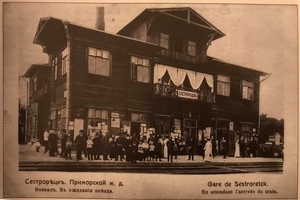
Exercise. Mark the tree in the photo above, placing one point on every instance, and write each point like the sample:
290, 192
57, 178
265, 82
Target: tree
270, 126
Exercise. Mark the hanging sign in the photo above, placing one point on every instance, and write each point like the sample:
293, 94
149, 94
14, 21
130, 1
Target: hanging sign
115, 122
187, 94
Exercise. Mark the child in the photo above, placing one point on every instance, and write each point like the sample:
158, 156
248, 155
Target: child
89, 146
37, 145
151, 150
69, 148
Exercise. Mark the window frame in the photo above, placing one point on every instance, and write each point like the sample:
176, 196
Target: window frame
64, 65
164, 40
135, 66
249, 90
54, 65
223, 93
96, 118
100, 57
192, 48
33, 85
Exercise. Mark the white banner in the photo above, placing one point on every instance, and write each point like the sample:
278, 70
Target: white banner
187, 94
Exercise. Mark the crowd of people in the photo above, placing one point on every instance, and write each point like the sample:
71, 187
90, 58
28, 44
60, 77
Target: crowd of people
98, 146
245, 148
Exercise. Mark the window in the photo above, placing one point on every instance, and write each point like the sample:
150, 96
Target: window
99, 62
223, 85
138, 117
53, 119
64, 65
164, 40
97, 120
140, 69
33, 85
248, 90
54, 65
192, 48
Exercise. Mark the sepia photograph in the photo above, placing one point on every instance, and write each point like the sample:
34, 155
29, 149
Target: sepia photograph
150, 95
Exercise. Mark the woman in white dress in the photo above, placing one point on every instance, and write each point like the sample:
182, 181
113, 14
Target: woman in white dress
237, 149
166, 147
207, 150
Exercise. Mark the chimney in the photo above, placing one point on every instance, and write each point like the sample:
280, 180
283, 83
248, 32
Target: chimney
100, 24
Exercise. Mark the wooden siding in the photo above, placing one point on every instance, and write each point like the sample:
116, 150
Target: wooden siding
58, 88
140, 32
116, 92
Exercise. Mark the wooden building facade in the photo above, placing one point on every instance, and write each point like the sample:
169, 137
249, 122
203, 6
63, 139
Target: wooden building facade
39, 99
150, 76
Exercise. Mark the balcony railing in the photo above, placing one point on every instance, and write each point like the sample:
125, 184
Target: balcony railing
180, 92
39, 93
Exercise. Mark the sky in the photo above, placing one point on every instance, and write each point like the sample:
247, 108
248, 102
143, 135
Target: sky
261, 37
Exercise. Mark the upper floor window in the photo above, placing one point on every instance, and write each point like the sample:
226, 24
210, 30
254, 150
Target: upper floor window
248, 90
140, 69
99, 62
64, 65
192, 48
54, 65
164, 40
33, 85
223, 85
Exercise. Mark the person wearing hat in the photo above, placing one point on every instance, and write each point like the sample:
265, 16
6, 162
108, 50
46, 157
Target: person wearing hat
64, 137
51, 143
105, 142
80, 143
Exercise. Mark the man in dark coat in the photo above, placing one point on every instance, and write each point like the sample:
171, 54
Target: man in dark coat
191, 147
64, 137
105, 142
243, 148
51, 143
223, 146
80, 144
119, 148
100, 144
96, 147
170, 146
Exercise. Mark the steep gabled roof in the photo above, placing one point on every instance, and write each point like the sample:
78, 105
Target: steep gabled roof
59, 32
186, 14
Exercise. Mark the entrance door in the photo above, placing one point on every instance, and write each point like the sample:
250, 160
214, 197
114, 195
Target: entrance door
135, 129
220, 135
190, 130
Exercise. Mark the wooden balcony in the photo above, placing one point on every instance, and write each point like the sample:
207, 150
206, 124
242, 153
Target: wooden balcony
41, 92
180, 92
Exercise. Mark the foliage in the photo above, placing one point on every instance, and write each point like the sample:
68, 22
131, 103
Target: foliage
270, 126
